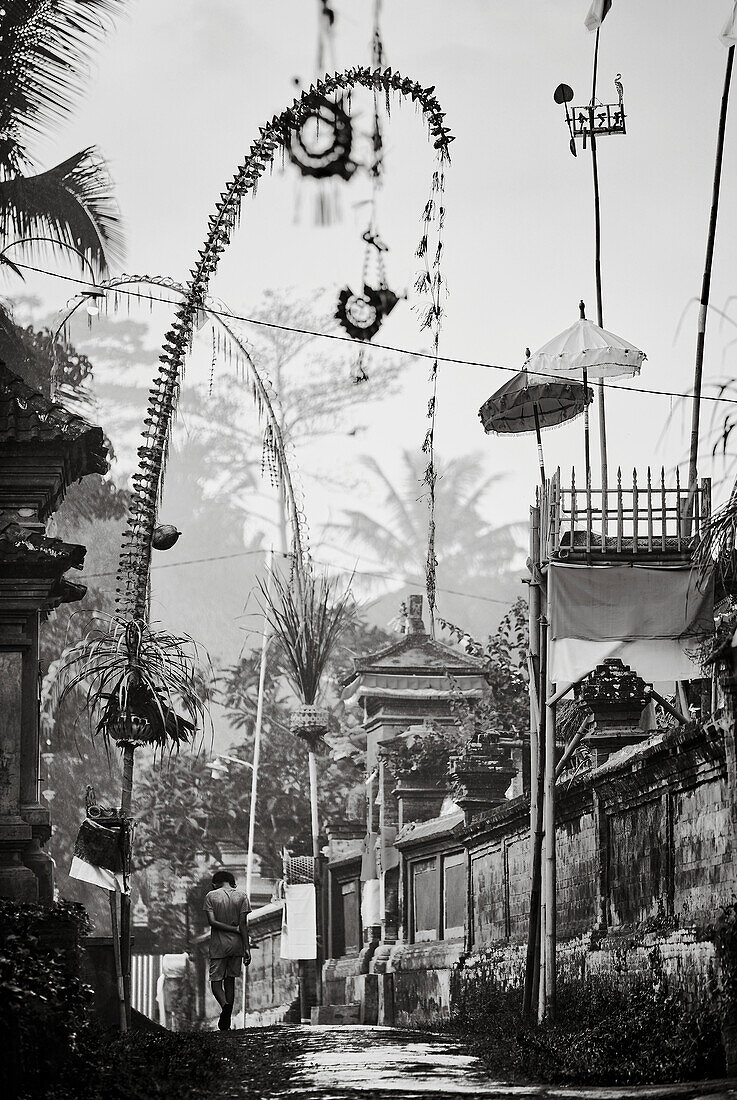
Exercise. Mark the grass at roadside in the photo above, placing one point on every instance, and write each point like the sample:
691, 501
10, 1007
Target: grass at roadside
602, 1036
180, 1065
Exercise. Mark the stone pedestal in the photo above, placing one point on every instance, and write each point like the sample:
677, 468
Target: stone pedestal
419, 798
480, 775
617, 696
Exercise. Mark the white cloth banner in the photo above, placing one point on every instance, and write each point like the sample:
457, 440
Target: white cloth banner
728, 37
656, 660
371, 903
98, 876
299, 923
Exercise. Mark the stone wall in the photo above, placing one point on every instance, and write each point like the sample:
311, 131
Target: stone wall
645, 857
273, 982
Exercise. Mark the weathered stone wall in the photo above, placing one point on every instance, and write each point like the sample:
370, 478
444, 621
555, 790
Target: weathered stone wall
645, 857
273, 982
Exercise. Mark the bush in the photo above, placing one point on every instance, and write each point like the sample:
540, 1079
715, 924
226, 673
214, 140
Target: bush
42, 1001
601, 1035
183, 1065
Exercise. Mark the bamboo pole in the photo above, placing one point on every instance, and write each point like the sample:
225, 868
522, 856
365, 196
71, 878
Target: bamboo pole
706, 283
315, 828
535, 708
115, 932
549, 852
125, 899
536, 837
256, 758
597, 270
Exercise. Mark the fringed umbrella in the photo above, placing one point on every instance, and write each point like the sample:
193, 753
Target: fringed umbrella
529, 402
586, 350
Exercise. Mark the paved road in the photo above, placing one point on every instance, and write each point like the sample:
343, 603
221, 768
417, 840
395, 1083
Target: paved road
369, 1063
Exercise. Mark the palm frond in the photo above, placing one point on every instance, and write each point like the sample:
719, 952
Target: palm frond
308, 619
44, 61
716, 550
72, 202
154, 679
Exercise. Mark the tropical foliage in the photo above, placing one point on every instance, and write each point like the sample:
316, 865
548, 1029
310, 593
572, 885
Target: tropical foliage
134, 677
44, 54
181, 811
308, 618
476, 558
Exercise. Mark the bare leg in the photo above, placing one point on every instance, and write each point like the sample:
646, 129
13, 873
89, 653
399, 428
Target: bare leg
229, 990
217, 992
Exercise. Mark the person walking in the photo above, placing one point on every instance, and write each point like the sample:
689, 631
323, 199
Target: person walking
227, 909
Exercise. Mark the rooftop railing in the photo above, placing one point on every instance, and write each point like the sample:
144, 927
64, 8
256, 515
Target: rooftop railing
641, 518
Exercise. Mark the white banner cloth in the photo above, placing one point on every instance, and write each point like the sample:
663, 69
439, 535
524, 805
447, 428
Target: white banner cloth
299, 924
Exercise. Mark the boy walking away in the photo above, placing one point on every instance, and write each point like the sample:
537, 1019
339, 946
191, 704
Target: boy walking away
227, 910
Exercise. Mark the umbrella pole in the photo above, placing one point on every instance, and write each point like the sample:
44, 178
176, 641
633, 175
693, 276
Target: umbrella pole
597, 269
706, 286
586, 439
540, 458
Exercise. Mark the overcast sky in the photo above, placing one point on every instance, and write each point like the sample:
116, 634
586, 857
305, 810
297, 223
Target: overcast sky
182, 85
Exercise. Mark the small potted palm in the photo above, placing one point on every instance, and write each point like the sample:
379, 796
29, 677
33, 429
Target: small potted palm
135, 679
307, 618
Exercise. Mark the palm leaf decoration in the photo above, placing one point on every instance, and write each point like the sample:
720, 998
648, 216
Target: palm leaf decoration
134, 677
45, 49
308, 618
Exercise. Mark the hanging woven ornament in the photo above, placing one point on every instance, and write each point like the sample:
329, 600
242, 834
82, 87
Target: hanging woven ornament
361, 315
321, 147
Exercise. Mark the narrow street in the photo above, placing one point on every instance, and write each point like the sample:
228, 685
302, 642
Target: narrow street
359, 1062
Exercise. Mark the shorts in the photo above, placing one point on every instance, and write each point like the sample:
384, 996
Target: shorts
228, 967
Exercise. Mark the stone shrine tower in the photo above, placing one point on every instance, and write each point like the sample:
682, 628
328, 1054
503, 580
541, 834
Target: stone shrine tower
409, 685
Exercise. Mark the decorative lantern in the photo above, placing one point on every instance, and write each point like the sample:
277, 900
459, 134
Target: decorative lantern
310, 723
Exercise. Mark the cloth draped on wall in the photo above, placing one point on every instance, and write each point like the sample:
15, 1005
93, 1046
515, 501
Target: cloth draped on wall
299, 922
371, 903
652, 619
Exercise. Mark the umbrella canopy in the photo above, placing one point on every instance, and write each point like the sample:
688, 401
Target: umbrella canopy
586, 346
513, 407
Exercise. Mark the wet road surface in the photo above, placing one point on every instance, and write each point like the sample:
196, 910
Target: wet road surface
368, 1063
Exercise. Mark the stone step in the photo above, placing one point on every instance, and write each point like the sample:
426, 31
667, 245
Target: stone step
336, 1014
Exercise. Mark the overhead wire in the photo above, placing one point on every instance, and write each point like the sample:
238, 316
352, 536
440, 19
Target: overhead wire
394, 349
317, 561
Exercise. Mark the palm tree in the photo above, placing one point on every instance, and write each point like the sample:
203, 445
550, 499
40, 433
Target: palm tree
44, 53
474, 555
467, 543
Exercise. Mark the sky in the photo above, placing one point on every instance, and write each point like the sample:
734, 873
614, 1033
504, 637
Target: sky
177, 93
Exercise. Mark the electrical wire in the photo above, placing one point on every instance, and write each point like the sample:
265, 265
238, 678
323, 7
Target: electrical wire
317, 561
453, 360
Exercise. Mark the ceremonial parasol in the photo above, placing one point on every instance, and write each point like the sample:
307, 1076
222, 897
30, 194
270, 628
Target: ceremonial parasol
588, 351
529, 402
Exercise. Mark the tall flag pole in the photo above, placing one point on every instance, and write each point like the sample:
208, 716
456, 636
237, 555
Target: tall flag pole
728, 37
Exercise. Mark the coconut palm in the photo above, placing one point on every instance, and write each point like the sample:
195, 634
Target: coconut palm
474, 554
466, 541
44, 54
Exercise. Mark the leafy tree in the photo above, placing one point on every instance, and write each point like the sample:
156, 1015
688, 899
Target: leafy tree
182, 811
44, 53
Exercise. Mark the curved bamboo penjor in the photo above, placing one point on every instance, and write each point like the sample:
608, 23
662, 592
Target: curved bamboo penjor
265, 398
133, 569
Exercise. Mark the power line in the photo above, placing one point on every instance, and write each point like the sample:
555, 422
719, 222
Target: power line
454, 361
317, 561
